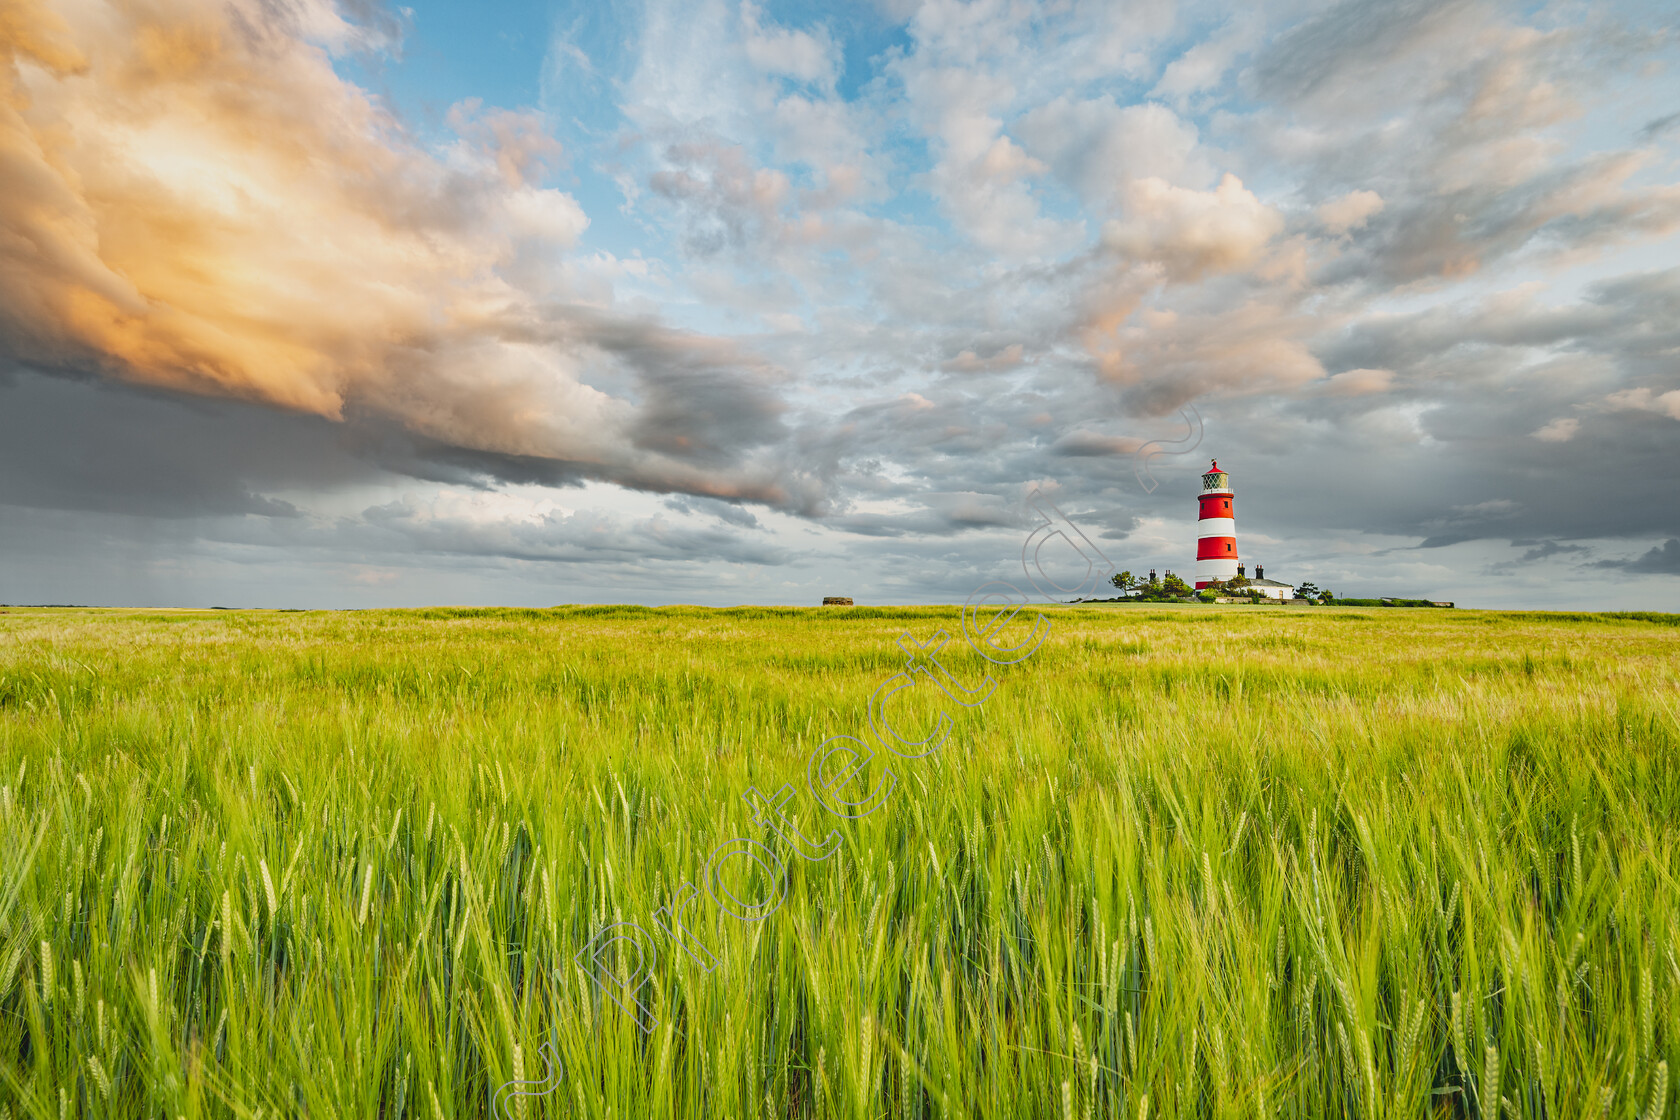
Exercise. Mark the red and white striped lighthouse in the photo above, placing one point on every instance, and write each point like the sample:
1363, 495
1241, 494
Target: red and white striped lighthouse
1216, 541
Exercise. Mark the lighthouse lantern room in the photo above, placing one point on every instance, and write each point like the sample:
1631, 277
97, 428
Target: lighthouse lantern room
1216, 544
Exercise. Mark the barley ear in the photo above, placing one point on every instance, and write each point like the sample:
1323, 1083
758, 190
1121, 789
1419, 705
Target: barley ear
1458, 1033
1490, 1076
1659, 1093
46, 974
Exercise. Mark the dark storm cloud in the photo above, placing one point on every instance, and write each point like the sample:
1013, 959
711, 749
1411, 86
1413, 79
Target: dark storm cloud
435, 461
1450, 467
1547, 549
1663, 559
1109, 524
93, 445
707, 417
87, 443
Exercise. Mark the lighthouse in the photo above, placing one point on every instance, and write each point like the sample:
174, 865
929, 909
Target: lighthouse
1216, 543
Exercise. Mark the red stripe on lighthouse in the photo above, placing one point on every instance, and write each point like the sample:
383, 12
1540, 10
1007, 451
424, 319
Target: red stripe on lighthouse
1215, 505
1216, 548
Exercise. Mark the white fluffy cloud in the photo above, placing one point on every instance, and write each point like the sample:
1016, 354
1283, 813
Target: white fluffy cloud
1192, 233
801, 55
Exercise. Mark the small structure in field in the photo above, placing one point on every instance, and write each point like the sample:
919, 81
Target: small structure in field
836, 601
1270, 588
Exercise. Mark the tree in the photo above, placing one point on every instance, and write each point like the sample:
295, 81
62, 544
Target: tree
1123, 581
1172, 585
1306, 591
1328, 596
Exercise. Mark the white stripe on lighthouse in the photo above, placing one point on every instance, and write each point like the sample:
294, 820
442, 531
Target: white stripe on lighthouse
1221, 569
1216, 527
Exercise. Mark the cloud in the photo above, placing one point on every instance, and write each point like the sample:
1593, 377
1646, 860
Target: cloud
1359, 382
956, 87
1082, 442
1494, 507
1469, 522
247, 223
1475, 169
1205, 64
1644, 400
100, 446
800, 55
1192, 233
1561, 430
1097, 146
1350, 211
828, 136
1342, 53
1547, 549
969, 362
723, 511
725, 201
516, 143
489, 524
1658, 125
1664, 559
1544, 550
196, 201
1165, 359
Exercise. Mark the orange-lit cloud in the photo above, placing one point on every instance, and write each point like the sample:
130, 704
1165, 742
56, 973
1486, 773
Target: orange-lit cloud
192, 198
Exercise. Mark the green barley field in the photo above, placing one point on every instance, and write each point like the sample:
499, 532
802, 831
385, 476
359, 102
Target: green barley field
1183, 862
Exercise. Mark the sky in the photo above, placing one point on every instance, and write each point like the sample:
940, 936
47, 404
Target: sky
315, 304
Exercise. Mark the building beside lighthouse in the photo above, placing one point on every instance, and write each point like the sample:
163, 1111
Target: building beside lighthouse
1270, 588
1216, 529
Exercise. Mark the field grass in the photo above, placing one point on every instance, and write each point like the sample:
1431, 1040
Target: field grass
1184, 862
